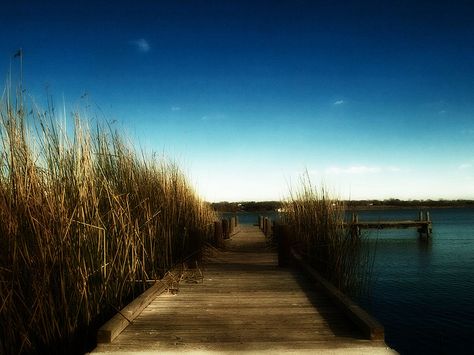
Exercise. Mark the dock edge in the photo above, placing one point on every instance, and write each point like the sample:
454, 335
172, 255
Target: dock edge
370, 327
114, 326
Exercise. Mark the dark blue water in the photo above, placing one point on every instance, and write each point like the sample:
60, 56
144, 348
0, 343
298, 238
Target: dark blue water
422, 292
251, 217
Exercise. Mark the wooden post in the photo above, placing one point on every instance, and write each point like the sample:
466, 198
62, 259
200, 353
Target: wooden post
355, 229
282, 232
218, 237
422, 232
225, 229
260, 222
194, 249
236, 220
425, 231
429, 229
231, 224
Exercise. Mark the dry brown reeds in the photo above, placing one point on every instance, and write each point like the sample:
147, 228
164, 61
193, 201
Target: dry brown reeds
319, 233
84, 223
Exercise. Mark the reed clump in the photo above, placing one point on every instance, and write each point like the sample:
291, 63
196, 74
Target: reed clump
85, 224
319, 233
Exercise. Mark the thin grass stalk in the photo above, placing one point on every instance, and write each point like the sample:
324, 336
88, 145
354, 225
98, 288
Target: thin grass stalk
83, 217
319, 233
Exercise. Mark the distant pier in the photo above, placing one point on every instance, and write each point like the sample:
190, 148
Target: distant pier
423, 224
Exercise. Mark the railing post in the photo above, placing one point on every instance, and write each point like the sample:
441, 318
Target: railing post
268, 229
195, 248
218, 238
282, 232
260, 222
232, 224
225, 229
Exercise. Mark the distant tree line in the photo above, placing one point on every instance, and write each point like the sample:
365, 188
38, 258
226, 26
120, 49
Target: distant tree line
246, 206
262, 206
393, 202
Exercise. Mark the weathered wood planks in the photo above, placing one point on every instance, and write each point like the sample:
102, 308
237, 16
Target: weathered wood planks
245, 303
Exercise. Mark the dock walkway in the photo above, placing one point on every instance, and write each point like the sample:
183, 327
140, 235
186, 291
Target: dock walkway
245, 303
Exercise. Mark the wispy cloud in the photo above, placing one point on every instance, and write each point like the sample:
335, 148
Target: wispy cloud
338, 102
175, 108
214, 117
360, 170
465, 166
141, 45
356, 169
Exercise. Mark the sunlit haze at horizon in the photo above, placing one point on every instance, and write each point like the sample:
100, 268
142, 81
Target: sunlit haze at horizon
374, 99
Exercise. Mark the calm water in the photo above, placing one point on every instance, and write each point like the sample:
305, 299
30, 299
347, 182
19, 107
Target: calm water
422, 292
250, 217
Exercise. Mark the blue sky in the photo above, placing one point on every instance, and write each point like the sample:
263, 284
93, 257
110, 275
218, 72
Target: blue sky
373, 98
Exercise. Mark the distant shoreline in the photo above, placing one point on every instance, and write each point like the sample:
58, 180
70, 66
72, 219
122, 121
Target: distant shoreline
373, 205
391, 207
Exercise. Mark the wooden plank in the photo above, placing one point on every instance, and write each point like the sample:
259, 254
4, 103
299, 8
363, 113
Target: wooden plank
111, 329
244, 303
269, 347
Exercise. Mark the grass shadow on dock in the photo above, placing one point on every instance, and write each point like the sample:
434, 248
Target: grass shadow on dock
338, 322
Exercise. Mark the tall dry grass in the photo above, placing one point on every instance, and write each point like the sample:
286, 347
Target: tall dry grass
85, 221
316, 220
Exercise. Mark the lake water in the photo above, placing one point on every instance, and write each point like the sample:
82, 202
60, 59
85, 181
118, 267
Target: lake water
422, 292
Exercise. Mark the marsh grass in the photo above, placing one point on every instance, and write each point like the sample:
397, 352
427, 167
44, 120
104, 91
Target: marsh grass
82, 218
318, 230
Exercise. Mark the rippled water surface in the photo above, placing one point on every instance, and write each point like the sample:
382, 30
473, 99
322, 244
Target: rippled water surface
423, 292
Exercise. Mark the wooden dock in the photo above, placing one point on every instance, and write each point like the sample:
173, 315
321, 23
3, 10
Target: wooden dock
423, 225
243, 303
